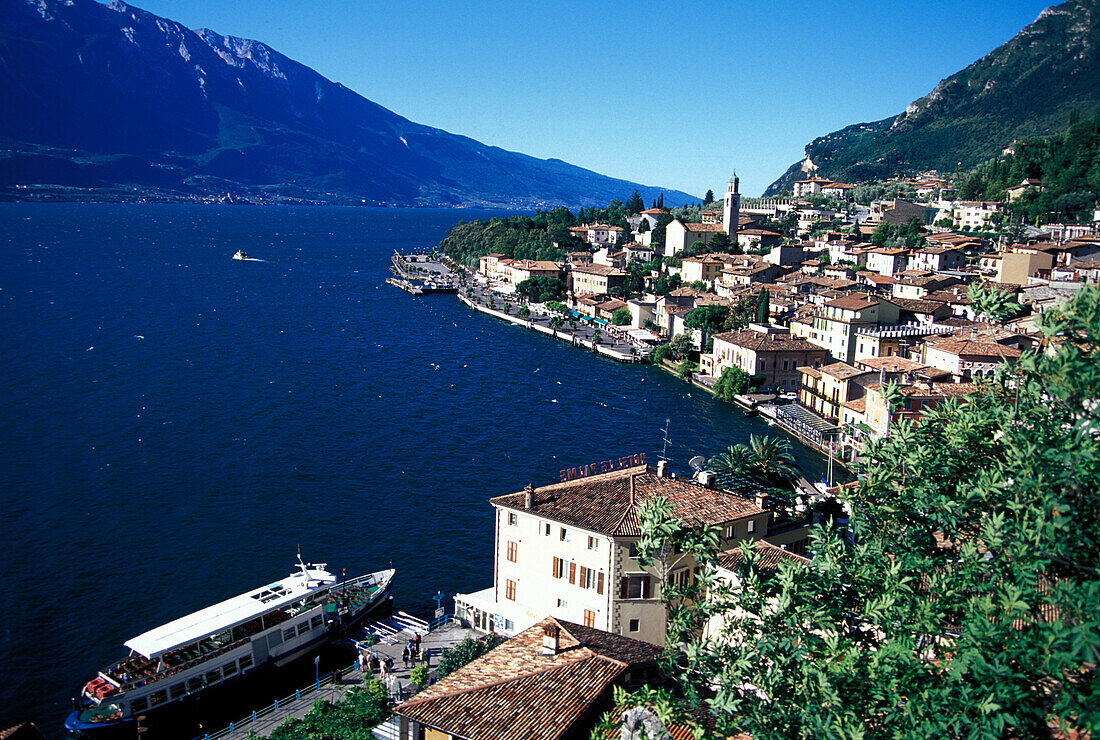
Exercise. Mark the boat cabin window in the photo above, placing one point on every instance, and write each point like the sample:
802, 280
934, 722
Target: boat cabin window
213, 676
139, 705
224, 638
177, 691
288, 634
245, 663
303, 628
194, 684
158, 697
316, 621
229, 669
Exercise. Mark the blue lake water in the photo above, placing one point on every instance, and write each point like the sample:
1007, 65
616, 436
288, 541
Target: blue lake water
176, 423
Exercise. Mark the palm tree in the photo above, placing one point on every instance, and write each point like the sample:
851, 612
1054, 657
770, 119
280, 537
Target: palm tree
772, 460
555, 324
733, 466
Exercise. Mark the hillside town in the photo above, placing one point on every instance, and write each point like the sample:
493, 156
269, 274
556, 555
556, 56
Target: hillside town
921, 296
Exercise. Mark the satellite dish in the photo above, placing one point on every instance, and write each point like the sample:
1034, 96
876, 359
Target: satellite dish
697, 462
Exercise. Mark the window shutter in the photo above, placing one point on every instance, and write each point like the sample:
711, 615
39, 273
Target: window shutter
582, 574
572, 572
645, 587
623, 581
554, 568
599, 583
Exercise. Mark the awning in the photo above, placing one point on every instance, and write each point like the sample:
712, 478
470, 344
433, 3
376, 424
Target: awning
643, 335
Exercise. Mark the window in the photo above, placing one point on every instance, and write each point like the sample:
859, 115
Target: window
633, 625
572, 572
229, 669
731, 531
194, 684
589, 618
512, 519
511, 551
303, 628
510, 590
288, 634
562, 603
587, 578
599, 582
593, 543
158, 697
176, 691
563, 535
634, 549
558, 568
139, 705
213, 676
547, 530
752, 526
245, 663
634, 586
315, 622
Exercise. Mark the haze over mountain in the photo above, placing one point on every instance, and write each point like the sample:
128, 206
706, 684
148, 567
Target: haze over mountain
1028, 86
114, 98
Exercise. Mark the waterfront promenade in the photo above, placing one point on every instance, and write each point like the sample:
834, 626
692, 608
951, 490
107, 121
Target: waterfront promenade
267, 719
613, 341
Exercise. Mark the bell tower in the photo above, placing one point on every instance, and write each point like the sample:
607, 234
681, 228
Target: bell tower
731, 208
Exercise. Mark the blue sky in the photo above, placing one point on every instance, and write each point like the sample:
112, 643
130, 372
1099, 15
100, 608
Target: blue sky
668, 94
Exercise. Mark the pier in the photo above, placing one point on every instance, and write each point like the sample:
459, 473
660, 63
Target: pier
420, 273
332, 687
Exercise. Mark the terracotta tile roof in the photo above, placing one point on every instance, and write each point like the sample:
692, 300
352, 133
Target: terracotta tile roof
842, 370
768, 557
975, 348
653, 211
608, 503
915, 305
713, 228
859, 405
514, 692
760, 342
893, 364
597, 270
812, 372
853, 302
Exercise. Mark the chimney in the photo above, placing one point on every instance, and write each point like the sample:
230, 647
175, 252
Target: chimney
662, 468
551, 640
529, 496
706, 478
761, 499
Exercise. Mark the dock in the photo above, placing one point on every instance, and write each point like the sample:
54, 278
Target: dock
332, 687
405, 285
420, 273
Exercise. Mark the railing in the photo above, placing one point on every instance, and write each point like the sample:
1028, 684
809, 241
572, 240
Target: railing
440, 621
257, 714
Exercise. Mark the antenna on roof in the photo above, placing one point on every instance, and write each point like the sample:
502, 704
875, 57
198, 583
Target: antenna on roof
666, 442
697, 463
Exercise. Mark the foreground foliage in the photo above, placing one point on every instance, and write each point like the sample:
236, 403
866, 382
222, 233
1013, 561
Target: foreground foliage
961, 599
362, 708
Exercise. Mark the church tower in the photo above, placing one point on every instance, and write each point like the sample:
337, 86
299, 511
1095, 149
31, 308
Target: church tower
731, 208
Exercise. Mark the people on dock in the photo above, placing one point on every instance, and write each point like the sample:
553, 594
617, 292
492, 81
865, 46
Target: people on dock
405, 656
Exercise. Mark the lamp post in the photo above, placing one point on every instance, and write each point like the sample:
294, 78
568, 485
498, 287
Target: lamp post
317, 670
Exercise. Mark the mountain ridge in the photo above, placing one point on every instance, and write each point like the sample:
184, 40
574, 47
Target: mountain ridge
1025, 87
103, 96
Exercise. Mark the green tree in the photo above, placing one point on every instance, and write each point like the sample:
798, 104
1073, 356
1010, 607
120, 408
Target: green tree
681, 346
621, 316
361, 709
763, 306
454, 658
992, 304
961, 598
707, 319
662, 353
556, 323
732, 382
541, 289
709, 197
720, 242
687, 369
635, 204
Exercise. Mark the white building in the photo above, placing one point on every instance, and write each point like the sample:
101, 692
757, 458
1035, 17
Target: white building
569, 550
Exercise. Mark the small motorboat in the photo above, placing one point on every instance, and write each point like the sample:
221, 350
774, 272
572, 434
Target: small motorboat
240, 255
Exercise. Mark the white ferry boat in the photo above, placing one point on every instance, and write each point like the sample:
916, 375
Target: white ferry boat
240, 255
271, 624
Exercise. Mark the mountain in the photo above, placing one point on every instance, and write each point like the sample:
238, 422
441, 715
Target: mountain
1026, 87
115, 99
